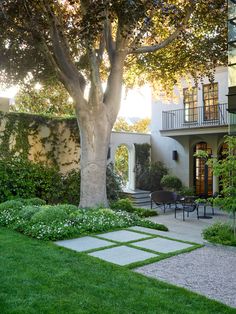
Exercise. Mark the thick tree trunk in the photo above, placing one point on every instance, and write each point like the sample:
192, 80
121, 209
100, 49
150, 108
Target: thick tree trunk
95, 132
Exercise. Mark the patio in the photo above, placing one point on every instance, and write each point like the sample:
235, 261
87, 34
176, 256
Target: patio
191, 228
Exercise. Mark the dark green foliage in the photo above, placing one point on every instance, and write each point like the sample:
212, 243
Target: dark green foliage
221, 233
169, 182
123, 204
21, 178
71, 187
35, 201
184, 191
113, 183
142, 155
151, 177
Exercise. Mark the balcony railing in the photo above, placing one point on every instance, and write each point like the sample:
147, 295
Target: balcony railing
205, 116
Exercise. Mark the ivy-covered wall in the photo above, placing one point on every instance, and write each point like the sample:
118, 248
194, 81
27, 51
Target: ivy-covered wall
40, 139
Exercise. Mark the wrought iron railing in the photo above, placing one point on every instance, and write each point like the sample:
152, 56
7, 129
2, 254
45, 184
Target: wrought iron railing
205, 116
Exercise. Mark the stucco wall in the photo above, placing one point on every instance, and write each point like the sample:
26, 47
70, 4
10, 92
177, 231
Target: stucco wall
54, 141
41, 139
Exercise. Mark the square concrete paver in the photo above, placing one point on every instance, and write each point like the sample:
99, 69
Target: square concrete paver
162, 245
122, 255
84, 244
123, 236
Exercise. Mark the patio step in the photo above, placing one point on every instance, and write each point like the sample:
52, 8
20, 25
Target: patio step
139, 198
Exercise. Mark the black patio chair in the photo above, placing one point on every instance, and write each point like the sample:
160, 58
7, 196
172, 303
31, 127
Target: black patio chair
188, 206
163, 198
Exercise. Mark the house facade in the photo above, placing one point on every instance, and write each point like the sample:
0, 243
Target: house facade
195, 119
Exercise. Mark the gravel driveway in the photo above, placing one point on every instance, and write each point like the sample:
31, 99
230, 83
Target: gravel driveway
210, 271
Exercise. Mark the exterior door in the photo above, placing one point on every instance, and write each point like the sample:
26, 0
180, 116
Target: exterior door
203, 177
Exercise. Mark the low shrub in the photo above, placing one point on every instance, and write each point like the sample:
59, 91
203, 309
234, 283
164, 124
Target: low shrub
150, 178
221, 233
123, 204
145, 212
50, 213
9, 211
152, 225
171, 183
126, 205
56, 222
28, 211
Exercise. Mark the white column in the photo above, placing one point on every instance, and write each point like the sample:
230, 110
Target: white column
215, 184
132, 168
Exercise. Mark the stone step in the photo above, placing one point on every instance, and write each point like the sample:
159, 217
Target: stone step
138, 197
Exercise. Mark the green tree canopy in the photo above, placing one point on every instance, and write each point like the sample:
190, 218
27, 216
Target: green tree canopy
50, 98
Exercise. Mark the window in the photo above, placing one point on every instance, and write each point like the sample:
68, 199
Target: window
190, 104
210, 99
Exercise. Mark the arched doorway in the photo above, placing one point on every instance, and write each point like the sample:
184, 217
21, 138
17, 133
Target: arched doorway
124, 165
121, 165
202, 174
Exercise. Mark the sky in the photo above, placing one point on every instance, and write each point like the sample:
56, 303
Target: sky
136, 103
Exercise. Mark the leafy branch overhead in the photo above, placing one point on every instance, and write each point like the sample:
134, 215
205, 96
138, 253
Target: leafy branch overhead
80, 35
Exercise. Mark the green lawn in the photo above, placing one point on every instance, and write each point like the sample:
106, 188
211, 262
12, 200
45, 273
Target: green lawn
38, 277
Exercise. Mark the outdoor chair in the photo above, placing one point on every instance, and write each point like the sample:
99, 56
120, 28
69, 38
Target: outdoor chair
163, 198
188, 206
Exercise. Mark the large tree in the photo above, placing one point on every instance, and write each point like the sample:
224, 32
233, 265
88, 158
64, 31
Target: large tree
84, 43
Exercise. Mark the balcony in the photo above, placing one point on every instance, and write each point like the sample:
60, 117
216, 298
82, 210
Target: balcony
204, 119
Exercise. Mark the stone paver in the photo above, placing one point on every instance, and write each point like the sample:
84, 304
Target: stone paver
162, 245
84, 244
122, 255
123, 236
209, 271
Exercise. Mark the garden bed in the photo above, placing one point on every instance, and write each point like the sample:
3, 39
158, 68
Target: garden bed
54, 222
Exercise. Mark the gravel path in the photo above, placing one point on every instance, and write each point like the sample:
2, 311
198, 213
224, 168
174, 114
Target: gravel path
210, 271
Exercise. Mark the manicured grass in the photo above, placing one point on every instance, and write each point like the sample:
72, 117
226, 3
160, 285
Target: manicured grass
39, 277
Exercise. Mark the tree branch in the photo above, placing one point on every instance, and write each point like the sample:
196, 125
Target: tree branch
112, 95
168, 40
110, 44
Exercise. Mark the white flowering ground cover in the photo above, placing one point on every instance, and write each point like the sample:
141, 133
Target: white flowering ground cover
46, 222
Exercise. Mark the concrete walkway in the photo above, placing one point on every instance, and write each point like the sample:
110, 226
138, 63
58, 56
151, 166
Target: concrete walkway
190, 229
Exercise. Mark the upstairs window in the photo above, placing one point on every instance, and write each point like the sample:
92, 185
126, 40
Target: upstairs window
211, 101
190, 104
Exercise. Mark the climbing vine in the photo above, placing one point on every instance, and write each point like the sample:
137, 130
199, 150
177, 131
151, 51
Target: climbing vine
19, 132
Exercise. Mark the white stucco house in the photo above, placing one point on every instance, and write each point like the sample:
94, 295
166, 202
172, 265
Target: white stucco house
196, 119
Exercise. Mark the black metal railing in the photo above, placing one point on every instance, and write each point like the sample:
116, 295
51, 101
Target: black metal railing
214, 115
